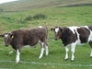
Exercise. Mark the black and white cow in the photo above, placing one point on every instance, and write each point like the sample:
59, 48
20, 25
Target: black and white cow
73, 36
19, 38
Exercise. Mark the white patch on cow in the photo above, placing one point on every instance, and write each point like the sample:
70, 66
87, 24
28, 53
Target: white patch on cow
17, 56
73, 29
6, 35
56, 30
40, 26
78, 38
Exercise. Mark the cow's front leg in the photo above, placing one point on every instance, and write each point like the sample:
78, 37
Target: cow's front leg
67, 50
10, 52
46, 48
18, 56
90, 43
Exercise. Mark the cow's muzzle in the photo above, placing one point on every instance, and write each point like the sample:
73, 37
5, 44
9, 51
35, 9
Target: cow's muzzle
56, 39
6, 45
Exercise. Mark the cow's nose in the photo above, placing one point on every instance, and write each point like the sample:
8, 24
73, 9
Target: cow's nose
6, 45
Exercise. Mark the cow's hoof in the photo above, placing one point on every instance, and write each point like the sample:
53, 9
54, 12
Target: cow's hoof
90, 56
66, 59
72, 60
17, 62
39, 57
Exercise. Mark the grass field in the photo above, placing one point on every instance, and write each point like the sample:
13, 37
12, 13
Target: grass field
69, 16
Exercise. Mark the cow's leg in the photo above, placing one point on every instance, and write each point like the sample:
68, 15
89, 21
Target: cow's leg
46, 47
73, 51
18, 56
42, 50
67, 50
10, 52
90, 43
91, 53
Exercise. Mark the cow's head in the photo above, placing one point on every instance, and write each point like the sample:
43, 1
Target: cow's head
7, 38
58, 32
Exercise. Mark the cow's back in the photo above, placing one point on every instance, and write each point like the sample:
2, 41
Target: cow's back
29, 37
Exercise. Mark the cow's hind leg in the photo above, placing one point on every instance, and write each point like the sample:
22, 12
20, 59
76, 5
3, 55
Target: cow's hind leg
90, 43
42, 49
73, 51
46, 47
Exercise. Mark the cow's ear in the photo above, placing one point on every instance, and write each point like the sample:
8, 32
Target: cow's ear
52, 29
1, 35
61, 29
12, 36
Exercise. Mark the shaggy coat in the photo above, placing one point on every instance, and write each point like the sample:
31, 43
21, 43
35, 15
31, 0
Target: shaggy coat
19, 38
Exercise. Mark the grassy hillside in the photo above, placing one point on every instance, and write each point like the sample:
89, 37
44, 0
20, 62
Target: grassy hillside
68, 16
36, 4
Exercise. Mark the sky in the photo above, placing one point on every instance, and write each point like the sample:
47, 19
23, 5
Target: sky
5, 1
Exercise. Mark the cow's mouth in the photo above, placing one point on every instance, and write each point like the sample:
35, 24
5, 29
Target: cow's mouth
6, 45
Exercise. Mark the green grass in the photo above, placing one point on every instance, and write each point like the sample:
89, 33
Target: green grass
55, 17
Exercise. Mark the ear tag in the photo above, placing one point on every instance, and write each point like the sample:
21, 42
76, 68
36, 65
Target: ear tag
12, 37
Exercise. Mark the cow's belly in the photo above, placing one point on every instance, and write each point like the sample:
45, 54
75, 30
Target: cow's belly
31, 43
78, 42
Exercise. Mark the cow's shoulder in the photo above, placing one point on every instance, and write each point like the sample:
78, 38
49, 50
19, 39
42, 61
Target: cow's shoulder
68, 36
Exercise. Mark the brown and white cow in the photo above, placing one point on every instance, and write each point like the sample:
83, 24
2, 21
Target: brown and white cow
73, 36
19, 38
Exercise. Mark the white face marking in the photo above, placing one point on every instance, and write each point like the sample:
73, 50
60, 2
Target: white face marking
6, 35
56, 30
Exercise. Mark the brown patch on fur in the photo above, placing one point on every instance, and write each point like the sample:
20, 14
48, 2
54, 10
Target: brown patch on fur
84, 34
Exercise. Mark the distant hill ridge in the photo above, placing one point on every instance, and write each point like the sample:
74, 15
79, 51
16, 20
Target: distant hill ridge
22, 5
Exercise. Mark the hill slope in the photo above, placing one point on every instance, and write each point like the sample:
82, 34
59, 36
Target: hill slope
34, 4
